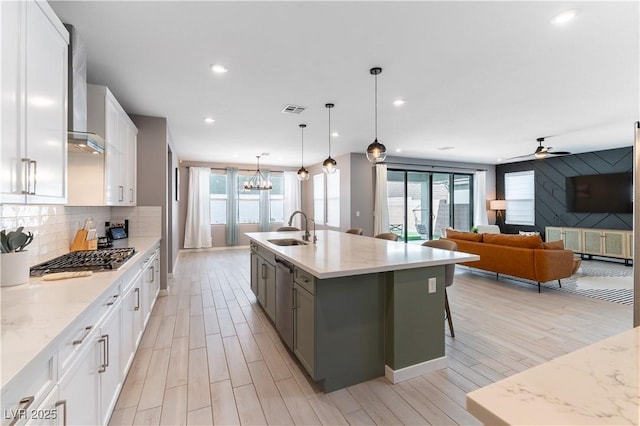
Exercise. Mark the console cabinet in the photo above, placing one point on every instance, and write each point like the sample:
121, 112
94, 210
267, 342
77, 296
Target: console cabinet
594, 242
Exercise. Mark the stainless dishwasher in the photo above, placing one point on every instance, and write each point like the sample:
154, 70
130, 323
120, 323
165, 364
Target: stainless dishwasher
284, 301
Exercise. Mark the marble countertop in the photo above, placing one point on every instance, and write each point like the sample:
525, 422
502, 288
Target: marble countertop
338, 254
35, 313
596, 385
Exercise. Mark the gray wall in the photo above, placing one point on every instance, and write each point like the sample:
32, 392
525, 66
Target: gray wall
550, 202
152, 180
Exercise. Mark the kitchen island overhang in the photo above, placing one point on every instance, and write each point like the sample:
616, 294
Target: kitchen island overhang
366, 303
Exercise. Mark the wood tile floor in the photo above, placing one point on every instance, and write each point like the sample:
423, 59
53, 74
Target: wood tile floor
210, 355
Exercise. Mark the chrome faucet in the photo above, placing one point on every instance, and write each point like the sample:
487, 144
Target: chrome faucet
306, 236
315, 238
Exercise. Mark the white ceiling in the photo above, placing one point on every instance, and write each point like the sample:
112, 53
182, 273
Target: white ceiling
481, 79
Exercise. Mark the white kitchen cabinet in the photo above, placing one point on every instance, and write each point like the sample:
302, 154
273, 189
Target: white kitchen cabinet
151, 283
132, 325
80, 387
34, 104
106, 117
109, 368
51, 412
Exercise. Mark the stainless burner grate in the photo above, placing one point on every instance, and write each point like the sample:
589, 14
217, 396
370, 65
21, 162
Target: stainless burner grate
85, 260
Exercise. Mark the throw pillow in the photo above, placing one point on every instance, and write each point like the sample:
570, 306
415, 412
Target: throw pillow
459, 235
554, 245
528, 233
522, 241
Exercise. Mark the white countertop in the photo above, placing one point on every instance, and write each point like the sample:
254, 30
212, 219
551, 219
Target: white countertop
596, 385
34, 314
338, 254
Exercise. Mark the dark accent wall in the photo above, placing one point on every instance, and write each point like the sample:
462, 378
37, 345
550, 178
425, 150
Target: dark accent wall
550, 174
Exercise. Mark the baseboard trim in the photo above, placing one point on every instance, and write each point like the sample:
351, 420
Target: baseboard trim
163, 292
397, 376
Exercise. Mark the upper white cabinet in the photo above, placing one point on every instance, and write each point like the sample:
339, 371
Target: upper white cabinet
34, 104
106, 117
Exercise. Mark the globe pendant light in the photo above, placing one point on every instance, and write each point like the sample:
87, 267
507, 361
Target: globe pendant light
329, 165
257, 182
376, 152
303, 174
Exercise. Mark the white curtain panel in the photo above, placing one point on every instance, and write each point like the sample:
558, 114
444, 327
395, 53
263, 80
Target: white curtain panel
480, 198
197, 233
381, 201
264, 218
292, 198
231, 228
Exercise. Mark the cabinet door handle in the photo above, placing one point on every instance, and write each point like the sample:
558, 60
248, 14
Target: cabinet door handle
26, 171
113, 300
152, 271
86, 332
293, 302
121, 188
63, 403
131, 195
24, 404
104, 339
137, 307
35, 174
263, 272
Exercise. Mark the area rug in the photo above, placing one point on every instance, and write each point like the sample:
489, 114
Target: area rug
601, 280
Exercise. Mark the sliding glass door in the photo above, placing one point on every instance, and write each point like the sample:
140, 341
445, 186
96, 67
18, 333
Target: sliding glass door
423, 204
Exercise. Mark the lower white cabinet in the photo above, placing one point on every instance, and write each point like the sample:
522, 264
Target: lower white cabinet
52, 411
132, 325
109, 369
80, 386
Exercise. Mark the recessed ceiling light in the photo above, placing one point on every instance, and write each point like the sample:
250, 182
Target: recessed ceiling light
444, 148
399, 102
499, 159
398, 150
564, 16
209, 120
335, 134
219, 69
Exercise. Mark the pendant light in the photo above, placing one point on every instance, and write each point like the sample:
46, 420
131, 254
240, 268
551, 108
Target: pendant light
303, 174
376, 152
329, 165
257, 182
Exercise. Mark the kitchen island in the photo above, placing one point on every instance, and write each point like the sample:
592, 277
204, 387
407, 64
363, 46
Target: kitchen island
595, 385
362, 307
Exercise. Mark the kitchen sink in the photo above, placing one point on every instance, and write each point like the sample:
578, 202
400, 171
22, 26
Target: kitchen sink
288, 242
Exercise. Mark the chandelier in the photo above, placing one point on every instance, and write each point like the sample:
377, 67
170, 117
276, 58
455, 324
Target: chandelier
257, 182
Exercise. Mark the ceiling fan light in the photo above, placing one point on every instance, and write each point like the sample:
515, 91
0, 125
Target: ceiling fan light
329, 166
376, 152
540, 154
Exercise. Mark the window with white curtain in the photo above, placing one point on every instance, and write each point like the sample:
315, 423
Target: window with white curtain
218, 197
318, 198
326, 199
276, 198
333, 199
519, 192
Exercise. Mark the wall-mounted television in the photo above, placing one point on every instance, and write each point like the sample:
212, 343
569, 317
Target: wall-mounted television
608, 193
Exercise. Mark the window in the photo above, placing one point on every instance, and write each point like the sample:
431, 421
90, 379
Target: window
333, 199
318, 198
519, 192
326, 199
248, 202
218, 197
276, 198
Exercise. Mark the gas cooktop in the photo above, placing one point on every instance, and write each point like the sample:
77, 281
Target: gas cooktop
109, 259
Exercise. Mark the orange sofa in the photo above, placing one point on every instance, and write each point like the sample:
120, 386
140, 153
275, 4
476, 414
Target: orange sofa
524, 256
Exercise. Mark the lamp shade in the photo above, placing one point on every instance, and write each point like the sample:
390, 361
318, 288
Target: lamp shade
498, 205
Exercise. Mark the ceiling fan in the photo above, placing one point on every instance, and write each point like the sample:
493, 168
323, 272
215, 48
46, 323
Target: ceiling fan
542, 151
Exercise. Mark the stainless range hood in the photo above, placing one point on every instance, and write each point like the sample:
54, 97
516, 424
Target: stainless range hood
79, 140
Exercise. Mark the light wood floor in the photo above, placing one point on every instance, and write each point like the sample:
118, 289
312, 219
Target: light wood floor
210, 355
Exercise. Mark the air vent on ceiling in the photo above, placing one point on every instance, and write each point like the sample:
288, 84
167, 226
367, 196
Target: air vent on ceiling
293, 109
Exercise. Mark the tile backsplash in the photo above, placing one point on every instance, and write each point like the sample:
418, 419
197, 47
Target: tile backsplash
54, 227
